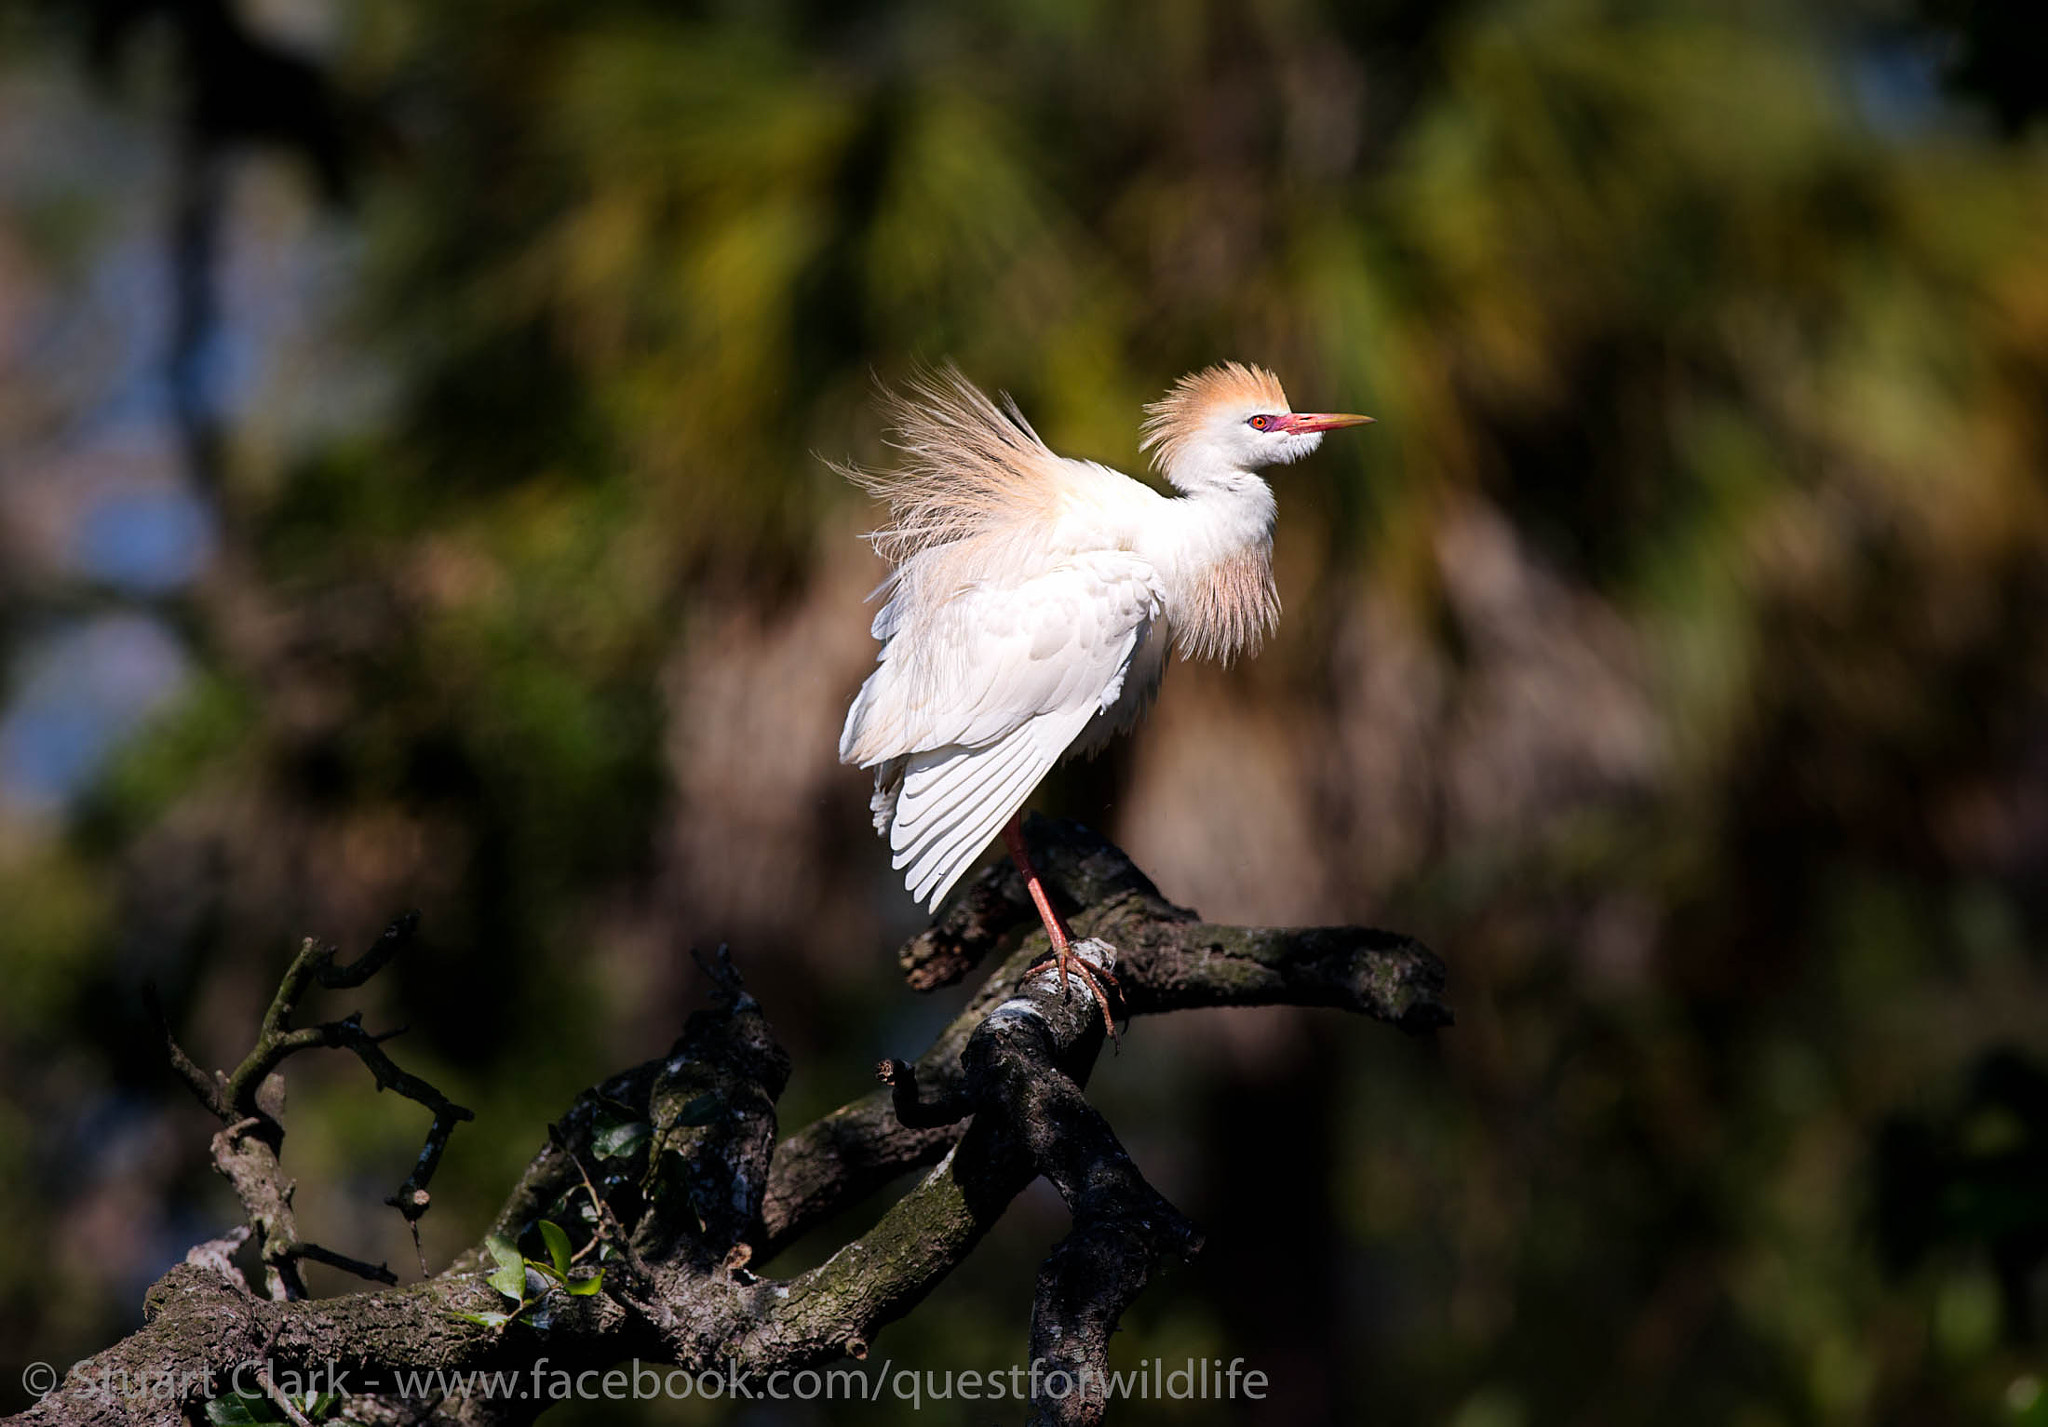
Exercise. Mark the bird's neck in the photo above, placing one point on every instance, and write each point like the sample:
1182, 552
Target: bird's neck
1215, 556
1221, 501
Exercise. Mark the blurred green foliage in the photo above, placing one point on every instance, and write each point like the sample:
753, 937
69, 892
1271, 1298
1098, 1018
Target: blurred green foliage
1671, 655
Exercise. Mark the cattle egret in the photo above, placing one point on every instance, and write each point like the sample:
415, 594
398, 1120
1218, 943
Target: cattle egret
1033, 601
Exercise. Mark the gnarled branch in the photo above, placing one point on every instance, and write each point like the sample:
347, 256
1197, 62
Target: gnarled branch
246, 1152
688, 1193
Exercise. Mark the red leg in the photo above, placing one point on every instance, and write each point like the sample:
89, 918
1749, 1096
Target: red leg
1055, 925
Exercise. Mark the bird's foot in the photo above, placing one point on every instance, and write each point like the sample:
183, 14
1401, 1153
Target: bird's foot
1089, 962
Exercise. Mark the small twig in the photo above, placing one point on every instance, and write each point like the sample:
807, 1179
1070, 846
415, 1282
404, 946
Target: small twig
395, 939
203, 1086
900, 1076
411, 1198
728, 989
419, 1249
277, 1020
375, 1272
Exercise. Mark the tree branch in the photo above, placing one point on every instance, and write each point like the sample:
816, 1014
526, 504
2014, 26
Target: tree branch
687, 1191
1169, 960
246, 1152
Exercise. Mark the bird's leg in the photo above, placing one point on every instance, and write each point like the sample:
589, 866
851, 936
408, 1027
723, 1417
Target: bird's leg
1055, 925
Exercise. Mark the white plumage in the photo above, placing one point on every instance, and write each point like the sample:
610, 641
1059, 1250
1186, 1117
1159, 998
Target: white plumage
1033, 597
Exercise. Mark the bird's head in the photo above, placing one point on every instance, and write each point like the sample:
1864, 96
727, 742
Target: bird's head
1232, 417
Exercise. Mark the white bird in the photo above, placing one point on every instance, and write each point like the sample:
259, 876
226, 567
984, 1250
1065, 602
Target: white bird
1034, 598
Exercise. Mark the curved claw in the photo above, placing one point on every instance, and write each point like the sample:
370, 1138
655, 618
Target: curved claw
1067, 958
1051, 955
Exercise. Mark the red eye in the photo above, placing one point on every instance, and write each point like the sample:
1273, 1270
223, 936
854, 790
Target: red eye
1260, 423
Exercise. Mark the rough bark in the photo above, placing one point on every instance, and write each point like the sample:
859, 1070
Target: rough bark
669, 1174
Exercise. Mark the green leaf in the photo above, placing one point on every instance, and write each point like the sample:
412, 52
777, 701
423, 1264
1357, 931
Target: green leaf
509, 1277
618, 1140
584, 1287
242, 1409
558, 1244
246, 1409
504, 1251
702, 1110
486, 1320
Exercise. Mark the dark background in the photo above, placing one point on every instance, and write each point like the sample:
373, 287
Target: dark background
411, 496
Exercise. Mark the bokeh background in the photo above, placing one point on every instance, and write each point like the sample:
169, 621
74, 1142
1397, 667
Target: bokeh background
411, 495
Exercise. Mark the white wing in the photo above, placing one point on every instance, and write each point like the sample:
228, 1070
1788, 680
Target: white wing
1141, 686
974, 700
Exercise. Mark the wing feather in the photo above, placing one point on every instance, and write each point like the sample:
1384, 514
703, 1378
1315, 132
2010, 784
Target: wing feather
971, 703
1021, 761
996, 808
948, 853
947, 781
995, 655
1140, 687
